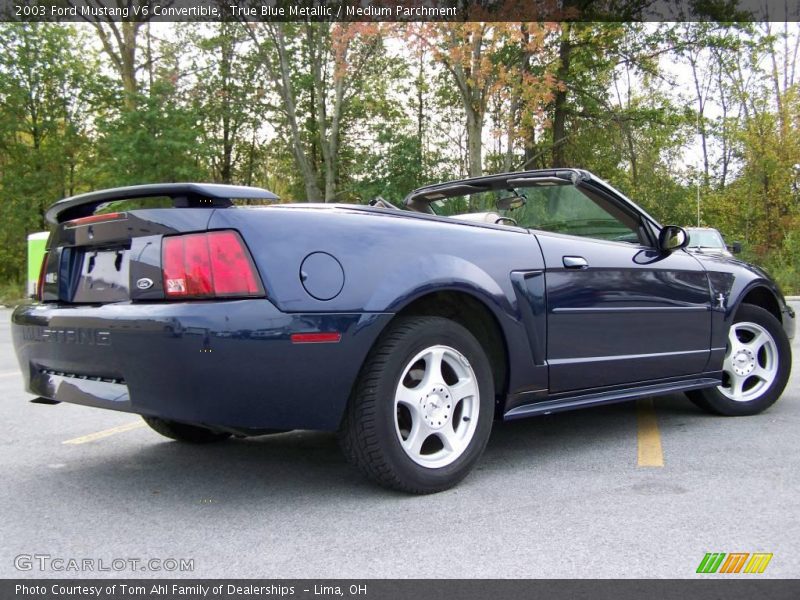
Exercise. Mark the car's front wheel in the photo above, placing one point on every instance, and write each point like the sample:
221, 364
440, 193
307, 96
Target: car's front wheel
421, 413
183, 432
756, 368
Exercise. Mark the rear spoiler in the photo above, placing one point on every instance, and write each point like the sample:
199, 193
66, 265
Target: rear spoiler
184, 195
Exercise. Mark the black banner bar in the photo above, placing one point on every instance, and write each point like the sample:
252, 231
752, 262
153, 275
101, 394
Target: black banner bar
65, 11
738, 588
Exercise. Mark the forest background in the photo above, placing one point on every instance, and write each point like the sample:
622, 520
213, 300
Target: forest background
696, 122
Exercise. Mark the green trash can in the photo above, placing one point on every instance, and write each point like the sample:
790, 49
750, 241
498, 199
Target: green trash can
37, 242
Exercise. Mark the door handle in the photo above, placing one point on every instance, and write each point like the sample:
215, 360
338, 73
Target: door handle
575, 262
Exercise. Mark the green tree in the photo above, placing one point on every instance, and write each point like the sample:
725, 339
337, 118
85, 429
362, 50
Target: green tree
227, 99
158, 142
319, 73
43, 129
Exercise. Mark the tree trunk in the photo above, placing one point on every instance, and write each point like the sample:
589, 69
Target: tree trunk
508, 159
332, 162
473, 100
329, 142
122, 53
701, 123
474, 146
513, 128
226, 169
251, 159
724, 136
560, 100
285, 89
420, 117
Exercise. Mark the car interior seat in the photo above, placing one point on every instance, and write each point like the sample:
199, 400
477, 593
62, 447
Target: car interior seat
480, 217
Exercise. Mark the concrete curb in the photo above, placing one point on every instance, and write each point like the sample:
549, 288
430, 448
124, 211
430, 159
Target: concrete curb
792, 298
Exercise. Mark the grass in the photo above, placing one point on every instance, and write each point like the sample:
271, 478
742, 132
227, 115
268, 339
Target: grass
786, 273
13, 293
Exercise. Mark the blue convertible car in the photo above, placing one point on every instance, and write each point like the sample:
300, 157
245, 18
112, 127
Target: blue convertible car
407, 331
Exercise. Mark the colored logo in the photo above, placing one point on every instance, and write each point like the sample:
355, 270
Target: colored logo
735, 562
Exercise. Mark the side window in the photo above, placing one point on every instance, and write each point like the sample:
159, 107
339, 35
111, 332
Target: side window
568, 210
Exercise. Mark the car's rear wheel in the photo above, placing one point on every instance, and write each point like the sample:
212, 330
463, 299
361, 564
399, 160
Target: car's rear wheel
421, 412
184, 432
756, 367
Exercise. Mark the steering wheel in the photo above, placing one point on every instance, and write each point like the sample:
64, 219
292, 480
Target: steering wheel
505, 220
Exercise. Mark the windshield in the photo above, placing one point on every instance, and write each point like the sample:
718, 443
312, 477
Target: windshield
546, 206
705, 238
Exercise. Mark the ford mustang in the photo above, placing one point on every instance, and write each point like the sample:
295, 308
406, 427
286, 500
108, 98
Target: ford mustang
212, 311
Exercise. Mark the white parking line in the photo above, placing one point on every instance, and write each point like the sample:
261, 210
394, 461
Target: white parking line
11, 374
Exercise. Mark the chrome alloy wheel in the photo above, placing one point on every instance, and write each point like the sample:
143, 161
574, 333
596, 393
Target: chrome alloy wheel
751, 362
437, 403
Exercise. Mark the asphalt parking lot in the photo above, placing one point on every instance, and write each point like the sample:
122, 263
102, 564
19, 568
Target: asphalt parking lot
555, 496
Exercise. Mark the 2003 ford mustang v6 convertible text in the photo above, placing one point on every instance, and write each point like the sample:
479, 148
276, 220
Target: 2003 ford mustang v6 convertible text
407, 331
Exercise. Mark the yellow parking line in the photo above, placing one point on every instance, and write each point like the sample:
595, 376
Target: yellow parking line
105, 433
650, 454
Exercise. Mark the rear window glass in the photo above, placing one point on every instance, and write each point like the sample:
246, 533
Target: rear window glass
165, 202
134, 204
253, 202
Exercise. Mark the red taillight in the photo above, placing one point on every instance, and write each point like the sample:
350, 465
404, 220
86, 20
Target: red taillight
233, 269
40, 282
208, 265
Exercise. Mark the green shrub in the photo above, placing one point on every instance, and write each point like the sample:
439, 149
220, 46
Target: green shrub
12, 293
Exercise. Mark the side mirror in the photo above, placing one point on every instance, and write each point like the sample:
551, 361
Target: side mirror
736, 247
672, 238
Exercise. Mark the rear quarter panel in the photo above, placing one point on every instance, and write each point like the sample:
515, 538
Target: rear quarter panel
386, 259
389, 261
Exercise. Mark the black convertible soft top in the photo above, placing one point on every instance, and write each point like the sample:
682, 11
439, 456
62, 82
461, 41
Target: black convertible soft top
183, 195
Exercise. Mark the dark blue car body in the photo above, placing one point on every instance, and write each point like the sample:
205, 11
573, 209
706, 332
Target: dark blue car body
637, 321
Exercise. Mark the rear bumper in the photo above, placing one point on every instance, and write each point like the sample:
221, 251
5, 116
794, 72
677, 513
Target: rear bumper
229, 364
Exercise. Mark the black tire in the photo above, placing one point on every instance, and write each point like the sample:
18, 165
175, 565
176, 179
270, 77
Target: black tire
714, 401
369, 434
184, 432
